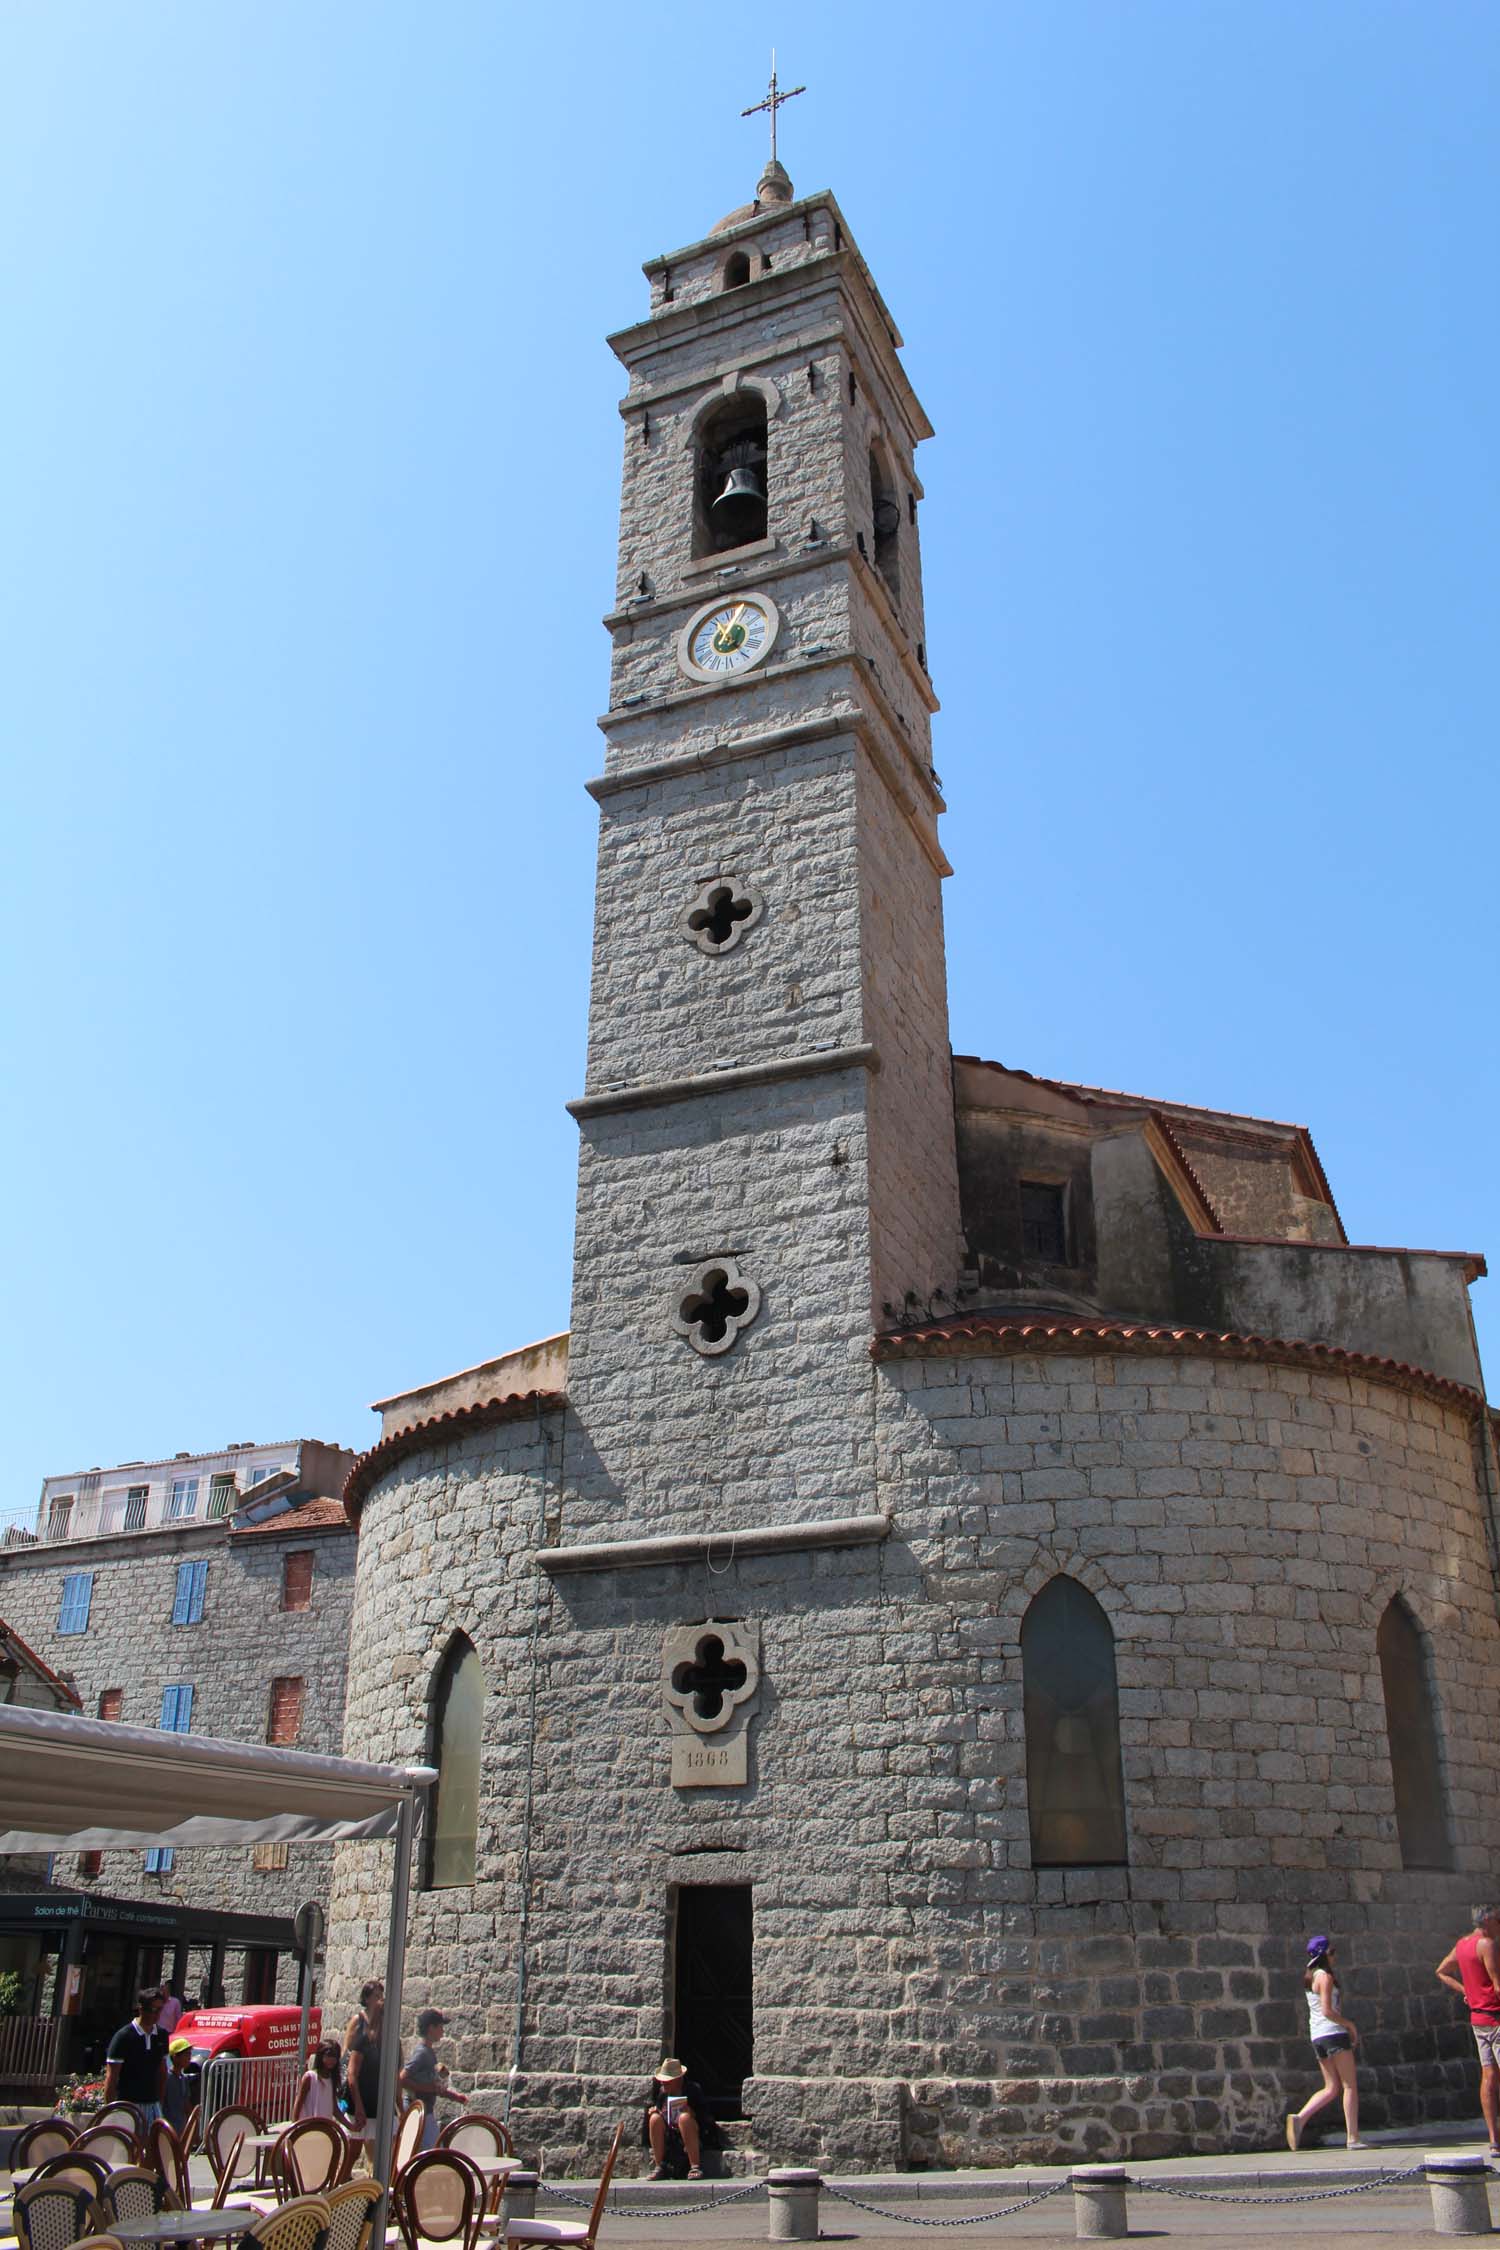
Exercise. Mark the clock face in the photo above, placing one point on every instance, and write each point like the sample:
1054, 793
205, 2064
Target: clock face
728, 636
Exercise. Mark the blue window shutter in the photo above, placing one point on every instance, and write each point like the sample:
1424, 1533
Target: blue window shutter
77, 1594
167, 1857
183, 1722
159, 1860
181, 1600
200, 1582
169, 1697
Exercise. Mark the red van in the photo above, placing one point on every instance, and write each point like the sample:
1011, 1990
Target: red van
248, 2055
245, 2031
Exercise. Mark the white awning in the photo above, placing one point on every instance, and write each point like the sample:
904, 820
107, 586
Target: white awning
88, 1785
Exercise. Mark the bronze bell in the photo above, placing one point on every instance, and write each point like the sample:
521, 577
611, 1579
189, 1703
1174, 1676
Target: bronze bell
742, 502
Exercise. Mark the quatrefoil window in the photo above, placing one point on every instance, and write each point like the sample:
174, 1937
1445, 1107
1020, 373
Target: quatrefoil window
719, 1303
709, 1677
722, 912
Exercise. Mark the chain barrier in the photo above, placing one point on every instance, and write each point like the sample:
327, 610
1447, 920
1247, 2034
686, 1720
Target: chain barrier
1298, 2195
916, 2218
669, 2210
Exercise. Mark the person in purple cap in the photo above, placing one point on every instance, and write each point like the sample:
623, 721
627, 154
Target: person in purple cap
1334, 2040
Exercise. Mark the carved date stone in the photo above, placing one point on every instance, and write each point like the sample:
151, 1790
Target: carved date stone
710, 1680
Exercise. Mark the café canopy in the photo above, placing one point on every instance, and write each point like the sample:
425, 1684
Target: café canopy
71, 1784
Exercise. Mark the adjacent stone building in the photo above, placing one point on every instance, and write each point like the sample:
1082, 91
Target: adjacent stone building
208, 1594
991, 1565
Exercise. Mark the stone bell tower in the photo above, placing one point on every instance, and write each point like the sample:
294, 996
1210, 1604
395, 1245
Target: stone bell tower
767, 1170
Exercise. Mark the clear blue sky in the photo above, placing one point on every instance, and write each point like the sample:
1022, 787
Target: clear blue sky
308, 519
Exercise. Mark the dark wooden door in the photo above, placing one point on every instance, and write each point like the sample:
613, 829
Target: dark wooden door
713, 1988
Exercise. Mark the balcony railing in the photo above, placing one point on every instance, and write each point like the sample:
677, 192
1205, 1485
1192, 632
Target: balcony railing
102, 1515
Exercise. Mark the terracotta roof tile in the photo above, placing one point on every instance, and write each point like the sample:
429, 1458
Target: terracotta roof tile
963, 1331
9, 1633
436, 1430
320, 1514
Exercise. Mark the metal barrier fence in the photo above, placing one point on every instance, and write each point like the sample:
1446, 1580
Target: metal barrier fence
265, 2083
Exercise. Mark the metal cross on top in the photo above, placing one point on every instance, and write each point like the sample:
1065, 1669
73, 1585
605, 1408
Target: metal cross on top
773, 101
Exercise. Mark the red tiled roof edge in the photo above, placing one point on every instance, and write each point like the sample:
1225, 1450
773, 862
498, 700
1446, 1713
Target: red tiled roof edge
436, 1430
41, 1664
1163, 1126
944, 1338
320, 1514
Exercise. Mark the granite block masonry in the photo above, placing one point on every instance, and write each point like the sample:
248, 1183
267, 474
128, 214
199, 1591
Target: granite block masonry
949, 1371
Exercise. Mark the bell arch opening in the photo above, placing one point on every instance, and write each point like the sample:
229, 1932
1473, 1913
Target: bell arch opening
729, 502
885, 518
736, 271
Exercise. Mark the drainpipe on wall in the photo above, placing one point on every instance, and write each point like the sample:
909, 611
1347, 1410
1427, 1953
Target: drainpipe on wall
523, 1932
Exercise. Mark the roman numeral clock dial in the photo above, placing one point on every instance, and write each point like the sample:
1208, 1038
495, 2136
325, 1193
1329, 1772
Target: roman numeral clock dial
728, 636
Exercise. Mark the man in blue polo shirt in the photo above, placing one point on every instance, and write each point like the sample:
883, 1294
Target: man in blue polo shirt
136, 2059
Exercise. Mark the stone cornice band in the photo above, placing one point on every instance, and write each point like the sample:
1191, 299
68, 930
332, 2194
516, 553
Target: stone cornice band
718, 1547
651, 1093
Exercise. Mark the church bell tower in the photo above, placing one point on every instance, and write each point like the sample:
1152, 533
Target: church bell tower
767, 1169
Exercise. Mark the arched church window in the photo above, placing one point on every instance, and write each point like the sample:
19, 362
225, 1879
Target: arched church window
1075, 1791
885, 510
736, 271
457, 1734
729, 507
1411, 1731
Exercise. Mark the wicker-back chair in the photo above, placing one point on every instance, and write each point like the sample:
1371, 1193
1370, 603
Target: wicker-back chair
114, 2144
351, 2214
53, 2214
301, 2224
89, 2171
440, 2197
49, 2136
135, 2192
574, 2232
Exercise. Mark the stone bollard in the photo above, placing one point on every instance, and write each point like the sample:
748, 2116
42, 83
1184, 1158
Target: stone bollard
792, 2197
1099, 2201
520, 2195
1460, 2190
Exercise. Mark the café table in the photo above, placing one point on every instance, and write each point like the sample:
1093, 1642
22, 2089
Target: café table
186, 2226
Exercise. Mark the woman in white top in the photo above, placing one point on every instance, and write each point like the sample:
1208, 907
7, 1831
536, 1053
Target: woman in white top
1334, 2040
317, 2095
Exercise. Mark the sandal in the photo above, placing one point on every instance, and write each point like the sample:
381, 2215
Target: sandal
695, 2171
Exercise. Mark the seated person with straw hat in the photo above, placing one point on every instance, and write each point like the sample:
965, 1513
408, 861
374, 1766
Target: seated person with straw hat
675, 2125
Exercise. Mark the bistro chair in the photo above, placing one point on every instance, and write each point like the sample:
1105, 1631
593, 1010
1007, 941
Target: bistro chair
313, 2156
575, 2232
227, 2129
91, 2171
408, 2139
100, 2242
487, 2143
299, 2225
351, 2214
225, 2180
49, 2136
187, 2139
114, 2144
53, 2214
122, 2113
166, 2154
440, 2197
135, 2192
